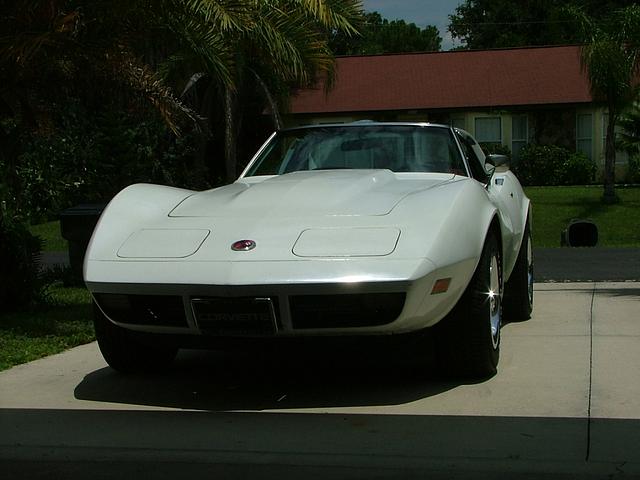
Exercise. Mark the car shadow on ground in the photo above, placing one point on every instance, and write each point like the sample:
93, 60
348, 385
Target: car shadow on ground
621, 292
282, 379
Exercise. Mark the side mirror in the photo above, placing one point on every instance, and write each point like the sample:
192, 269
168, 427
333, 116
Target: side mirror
497, 160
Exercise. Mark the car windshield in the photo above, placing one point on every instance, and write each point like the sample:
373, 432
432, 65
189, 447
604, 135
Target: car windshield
399, 148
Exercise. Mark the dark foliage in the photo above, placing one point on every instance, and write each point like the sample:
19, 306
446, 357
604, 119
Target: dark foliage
553, 165
93, 155
633, 169
484, 24
628, 140
20, 283
379, 35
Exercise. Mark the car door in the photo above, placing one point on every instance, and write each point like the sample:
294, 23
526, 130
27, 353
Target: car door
503, 190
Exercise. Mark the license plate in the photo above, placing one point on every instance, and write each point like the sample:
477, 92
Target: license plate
235, 316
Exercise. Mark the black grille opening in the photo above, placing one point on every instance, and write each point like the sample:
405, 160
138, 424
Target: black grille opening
158, 310
345, 310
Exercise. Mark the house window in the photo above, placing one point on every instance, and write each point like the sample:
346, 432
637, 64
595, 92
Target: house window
584, 134
519, 134
489, 130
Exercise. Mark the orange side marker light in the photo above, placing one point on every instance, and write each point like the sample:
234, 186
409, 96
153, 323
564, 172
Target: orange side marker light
441, 286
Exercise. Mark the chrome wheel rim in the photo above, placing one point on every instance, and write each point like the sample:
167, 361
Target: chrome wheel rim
495, 300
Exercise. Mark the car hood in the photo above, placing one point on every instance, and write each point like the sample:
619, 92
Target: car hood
309, 193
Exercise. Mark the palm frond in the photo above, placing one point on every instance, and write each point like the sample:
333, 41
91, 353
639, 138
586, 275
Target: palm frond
30, 37
610, 56
224, 15
587, 27
140, 78
332, 14
212, 48
298, 51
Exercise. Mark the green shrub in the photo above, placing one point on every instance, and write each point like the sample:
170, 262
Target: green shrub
577, 170
633, 169
553, 165
56, 171
88, 158
20, 283
538, 164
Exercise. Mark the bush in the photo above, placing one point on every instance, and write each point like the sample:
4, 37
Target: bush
633, 169
88, 158
552, 165
20, 283
578, 170
55, 171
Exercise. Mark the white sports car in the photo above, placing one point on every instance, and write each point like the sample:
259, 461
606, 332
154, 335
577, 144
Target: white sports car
335, 230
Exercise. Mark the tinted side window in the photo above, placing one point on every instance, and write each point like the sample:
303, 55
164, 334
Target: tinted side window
475, 164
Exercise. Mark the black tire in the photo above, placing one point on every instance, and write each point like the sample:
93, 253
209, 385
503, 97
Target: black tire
468, 338
124, 350
518, 293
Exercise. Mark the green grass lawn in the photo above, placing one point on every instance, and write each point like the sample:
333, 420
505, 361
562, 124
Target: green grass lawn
50, 233
553, 208
63, 323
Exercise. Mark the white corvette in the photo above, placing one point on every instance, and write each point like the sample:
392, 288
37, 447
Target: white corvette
335, 230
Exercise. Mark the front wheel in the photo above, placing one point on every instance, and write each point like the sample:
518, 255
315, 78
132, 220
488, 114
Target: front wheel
124, 350
468, 339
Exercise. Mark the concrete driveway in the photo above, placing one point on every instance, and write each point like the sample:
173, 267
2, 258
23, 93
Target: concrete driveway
564, 404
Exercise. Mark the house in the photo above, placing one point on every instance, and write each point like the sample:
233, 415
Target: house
508, 96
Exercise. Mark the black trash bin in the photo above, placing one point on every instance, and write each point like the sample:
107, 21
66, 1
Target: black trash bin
579, 233
76, 225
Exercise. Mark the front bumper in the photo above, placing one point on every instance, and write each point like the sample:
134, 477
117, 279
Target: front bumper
327, 284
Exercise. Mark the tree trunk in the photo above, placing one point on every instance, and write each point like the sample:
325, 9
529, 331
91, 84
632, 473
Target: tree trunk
230, 135
609, 195
205, 170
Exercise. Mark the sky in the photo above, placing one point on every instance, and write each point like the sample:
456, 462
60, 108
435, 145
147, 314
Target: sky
420, 12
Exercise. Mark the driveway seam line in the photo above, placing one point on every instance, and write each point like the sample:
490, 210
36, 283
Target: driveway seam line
593, 296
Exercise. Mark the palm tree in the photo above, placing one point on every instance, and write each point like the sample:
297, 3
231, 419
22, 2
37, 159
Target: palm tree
51, 48
611, 58
54, 50
273, 47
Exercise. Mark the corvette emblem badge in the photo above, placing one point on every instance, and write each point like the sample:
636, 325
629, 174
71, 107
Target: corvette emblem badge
243, 245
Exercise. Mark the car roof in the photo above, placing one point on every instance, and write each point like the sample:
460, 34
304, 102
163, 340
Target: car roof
368, 123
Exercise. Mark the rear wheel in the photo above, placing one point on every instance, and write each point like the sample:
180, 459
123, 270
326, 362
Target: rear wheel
518, 299
468, 339
124, 350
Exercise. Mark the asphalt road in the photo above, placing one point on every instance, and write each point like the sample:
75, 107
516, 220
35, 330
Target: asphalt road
587, 264
564, 404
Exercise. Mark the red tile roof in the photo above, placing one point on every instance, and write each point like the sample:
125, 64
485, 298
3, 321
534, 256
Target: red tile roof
458, 79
